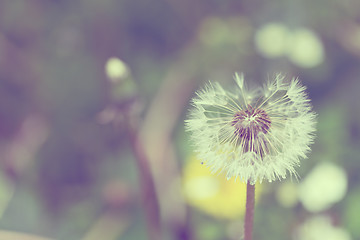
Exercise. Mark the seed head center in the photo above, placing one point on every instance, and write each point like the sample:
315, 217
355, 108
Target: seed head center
250, 122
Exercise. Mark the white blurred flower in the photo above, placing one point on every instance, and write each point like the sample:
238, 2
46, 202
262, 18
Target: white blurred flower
320, 228
325, 185
271, 40
302, 46
116, 69
306, 49
252, 135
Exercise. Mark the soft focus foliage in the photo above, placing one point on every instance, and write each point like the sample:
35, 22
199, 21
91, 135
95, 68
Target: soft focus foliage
72, 74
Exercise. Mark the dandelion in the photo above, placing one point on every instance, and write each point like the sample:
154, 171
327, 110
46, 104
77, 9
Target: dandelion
252, 135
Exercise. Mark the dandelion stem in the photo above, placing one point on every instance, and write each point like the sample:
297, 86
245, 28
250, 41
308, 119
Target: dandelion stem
249, 214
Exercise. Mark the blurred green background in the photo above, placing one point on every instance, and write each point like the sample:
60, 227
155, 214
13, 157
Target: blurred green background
70, 69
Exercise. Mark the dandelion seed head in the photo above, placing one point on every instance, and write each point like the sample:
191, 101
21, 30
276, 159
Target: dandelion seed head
252, 134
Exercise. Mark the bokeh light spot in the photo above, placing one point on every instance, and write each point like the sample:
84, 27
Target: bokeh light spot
202, 187
305, 49
325, 185
271, 40
287, 194
319, 228
116, 69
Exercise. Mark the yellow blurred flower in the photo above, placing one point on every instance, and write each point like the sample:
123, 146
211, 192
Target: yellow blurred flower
213, 193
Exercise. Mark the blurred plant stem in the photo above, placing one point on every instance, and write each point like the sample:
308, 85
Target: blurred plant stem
157, 134
249, 214
7, 235
149, 197
109, 225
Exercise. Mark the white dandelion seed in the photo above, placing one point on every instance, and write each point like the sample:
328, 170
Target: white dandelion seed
252, 135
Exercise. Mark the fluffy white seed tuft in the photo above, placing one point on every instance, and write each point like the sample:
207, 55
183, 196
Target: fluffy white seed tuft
252, 135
